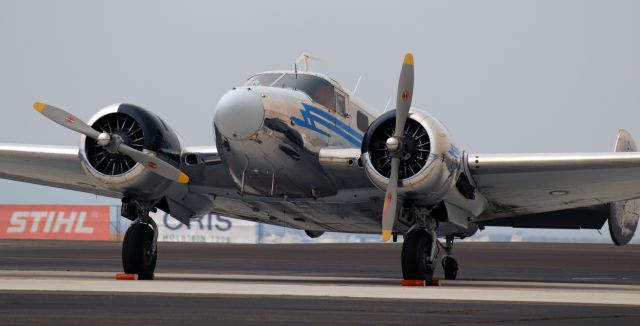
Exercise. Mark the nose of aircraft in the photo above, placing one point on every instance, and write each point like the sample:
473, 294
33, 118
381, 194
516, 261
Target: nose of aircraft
239, 114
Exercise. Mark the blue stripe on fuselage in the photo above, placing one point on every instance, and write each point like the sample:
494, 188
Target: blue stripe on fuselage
313, 115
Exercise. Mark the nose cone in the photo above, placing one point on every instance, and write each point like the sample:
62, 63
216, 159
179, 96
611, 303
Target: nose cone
239, 114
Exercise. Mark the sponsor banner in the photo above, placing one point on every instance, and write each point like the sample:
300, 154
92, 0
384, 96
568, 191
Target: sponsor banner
207, 228
59, 222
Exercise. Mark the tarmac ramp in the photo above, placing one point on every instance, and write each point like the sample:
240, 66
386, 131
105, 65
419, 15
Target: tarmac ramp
74, 282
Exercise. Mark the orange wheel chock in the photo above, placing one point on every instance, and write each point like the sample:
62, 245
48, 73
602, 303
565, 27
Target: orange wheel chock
434, 282
412, 282
124, 276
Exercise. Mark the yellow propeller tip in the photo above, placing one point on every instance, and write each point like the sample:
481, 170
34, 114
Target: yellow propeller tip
386, 235
408, 59
183, 178
39, 106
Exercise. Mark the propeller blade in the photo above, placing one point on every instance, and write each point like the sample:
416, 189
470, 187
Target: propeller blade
154, 164
390, 200
405, 94
66, 119
394, 145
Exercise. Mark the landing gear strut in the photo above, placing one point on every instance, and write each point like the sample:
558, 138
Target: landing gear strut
449, 264
139, 248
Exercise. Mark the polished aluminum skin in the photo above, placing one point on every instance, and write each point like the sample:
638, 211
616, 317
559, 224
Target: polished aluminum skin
289, 151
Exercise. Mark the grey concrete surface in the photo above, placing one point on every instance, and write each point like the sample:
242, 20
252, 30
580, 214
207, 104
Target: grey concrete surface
478, 261
592, 267
27, 308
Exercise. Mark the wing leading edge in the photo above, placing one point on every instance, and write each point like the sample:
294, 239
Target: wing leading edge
54, 166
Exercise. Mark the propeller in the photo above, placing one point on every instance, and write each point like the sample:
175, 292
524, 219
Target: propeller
112, 143
395, 145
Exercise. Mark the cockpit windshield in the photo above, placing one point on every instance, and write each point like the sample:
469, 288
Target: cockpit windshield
320, 90
262, 79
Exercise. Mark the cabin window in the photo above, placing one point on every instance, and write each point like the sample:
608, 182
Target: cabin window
320, 90
362, 121
341, 104
262, 79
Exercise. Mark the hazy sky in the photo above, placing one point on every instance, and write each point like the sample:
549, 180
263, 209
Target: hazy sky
504, 76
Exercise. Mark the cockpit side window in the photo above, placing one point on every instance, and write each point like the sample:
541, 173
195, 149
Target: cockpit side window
262, 79
320, 90
341, 104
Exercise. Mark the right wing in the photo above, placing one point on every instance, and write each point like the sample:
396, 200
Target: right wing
54, 166
562, 191
523, 184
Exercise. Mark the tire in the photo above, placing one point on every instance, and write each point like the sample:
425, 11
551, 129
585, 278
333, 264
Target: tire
415, 256
136, 247
450, 266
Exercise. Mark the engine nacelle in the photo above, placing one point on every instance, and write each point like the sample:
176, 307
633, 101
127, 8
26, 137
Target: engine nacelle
432, 164
141, 130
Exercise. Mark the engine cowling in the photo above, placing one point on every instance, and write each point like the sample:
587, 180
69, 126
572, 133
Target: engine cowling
432, 164
141, 130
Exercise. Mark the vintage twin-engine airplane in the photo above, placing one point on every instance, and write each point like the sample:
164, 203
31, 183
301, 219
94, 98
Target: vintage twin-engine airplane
296, 149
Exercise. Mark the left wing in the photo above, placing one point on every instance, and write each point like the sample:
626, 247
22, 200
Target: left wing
523, 184
57, 166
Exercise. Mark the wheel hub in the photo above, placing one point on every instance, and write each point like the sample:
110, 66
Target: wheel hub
148, 253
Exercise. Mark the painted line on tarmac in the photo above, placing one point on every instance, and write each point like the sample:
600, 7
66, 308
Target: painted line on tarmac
233, 284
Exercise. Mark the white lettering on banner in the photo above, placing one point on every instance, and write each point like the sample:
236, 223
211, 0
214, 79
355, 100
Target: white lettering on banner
47, 228
18, 224
80, 228
37, 216
67, 223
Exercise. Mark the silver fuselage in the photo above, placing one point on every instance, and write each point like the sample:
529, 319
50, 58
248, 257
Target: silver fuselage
290, 170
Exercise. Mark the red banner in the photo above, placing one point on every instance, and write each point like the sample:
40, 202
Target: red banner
60, 222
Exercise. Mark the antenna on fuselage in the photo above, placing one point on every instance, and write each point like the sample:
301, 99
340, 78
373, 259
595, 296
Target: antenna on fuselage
355, 89
387, 106
305, 57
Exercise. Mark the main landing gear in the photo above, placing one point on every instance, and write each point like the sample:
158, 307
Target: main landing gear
419, 255
140, 245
